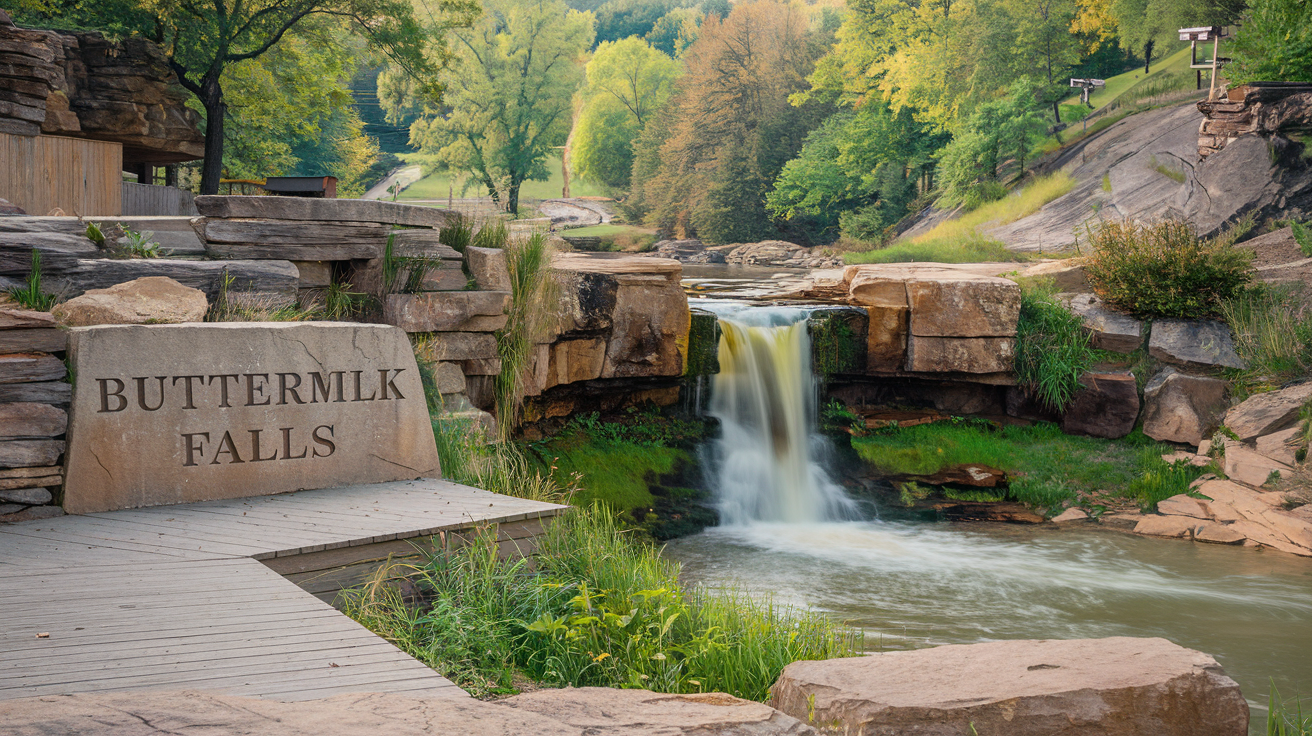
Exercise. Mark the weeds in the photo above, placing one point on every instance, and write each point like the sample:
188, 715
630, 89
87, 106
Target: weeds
493, 234
467, 458
1020, 203
533, 300
230, 306
1164, 269
1173, 174
1052, 347
970, 249
1302, 236
458, 235
1272, 334
139, 244
1286, 717
342, 303
597, 608
32, 296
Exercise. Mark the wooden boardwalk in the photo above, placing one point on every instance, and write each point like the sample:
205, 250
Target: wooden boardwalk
176, 597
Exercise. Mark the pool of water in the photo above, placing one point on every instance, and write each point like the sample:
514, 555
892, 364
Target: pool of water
910, 585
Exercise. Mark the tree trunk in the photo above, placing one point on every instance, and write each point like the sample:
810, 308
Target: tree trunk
1056, 110
1148, 56
512, 198
216, 109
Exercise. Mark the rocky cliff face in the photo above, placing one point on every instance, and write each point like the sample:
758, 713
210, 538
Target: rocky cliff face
83, 85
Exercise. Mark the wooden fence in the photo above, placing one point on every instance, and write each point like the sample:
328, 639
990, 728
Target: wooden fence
150, 200
45, 172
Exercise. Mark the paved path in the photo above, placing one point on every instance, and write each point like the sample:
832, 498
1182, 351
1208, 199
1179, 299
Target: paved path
176, 596
404, 175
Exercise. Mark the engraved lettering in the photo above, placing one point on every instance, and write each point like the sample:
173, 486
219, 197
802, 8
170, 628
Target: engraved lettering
341, 394
223, 386
284, 388
191, 404
320, 383
389, 383
226, 445
287, 445
141, 393
255, 448
252, 389
371, 396
192, 447
106, 395
324, 441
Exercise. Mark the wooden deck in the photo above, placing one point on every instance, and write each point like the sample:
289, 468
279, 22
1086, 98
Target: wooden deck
190, 596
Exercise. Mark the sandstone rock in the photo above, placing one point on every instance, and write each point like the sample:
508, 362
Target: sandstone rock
1126, 520
1281, 446
960, 354
32, 513
877, 287
26, 496
325, 210
46, 392
273, 407
29, 453
481, 367
1067, 274
59, 252
488, 268
886, 338
1258, 534
963, 306
1184, 505
9, 509
1246, 466
1096, 687
16, 318
448, 311
40, 340
443, 279
1119, 333
1107, 405
1198, 343
427, 243
457, 346
572, 361
448, 378
275, 281
1217, 534
291, 240
606, 712
650, 328
30, 421
1268, 412
1174, 527
1182, 408
1205, 447
149, 300
314, 274
1069, 515
40, 481
30, 367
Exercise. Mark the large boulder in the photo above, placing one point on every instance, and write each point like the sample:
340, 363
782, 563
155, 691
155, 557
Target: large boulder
603, 712
960, 354
448, 311
1091, 687
1182, 408
487, 266
1107, 405
1246, 466
963, 305
1109, 330
1268, 412
149, 300
1196, 343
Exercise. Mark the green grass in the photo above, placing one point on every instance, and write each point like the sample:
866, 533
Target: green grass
596, 608
1119, 84
1020, 203
439, 184
1173, 174
1047, 467
615, 237
1286, 717
1052, 347
968, 249
1272, 334
31, 296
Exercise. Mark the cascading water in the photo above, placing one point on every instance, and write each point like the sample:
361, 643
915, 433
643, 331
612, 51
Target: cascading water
765, 399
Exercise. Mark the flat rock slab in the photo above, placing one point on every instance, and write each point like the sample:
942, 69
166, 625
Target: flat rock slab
1118, 686
1196, 343
20, 368
166, 414
59, 252
328, 210
30, 420
603, 711
1269, 412
263, 277
148, 300
448, 311
1109, 330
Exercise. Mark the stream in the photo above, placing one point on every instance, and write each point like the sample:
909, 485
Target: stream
790, 533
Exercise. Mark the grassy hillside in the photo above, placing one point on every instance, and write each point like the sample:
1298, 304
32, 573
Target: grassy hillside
438, 184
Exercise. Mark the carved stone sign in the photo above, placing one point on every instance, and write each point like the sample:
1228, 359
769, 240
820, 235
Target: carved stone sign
167, 414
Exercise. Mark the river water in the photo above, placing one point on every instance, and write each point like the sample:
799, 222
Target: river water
909, 585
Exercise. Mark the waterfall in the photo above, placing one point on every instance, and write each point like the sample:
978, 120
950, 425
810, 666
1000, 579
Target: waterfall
765, 399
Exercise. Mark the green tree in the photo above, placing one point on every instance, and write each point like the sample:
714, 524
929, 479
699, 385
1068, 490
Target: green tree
509, 93
627, 81
675, 31
997, 131
1275, 44
1045, 43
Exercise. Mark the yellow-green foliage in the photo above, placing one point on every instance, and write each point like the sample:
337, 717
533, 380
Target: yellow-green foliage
1010, 208
968, 249
1164, 269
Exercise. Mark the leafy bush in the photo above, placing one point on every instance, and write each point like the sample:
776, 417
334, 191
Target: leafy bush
597, 608
1052, 348
1274, 44
1164, 269
140, 244
1302, 236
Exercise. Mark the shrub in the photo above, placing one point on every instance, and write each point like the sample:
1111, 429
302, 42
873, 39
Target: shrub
1052, 347
1272, 334
1164, 269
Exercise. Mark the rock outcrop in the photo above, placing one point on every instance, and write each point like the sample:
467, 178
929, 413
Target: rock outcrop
84, 85
1106, 405
1182, 408
1108, 329
1093, 687
1193, 343
1268, 412
148, 300
604, 711
34, 399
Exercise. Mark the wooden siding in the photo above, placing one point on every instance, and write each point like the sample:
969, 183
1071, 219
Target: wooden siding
150, 200
45, 172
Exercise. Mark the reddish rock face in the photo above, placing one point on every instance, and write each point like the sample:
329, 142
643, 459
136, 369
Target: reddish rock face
1119, 686
1106, 406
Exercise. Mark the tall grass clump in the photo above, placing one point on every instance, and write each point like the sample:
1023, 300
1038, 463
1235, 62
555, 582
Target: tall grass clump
493, 234
533, 307
458, 235
1286, 717
31, 295
467, 457
1020, 203
1164, 269
1052, 347
1272, 334
596, 608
